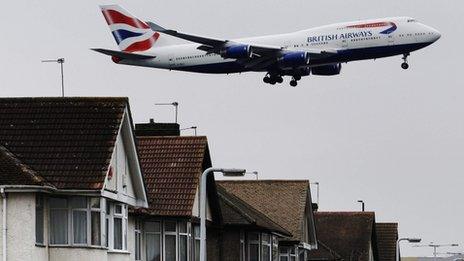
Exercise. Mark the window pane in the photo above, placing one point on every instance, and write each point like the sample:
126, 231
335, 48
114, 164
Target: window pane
107, 225
153, 227
137, 246
39, 219
253, 236
170, 247
79, 202
95, 228
170, 226
266, 253
80, 227
58, 203
197, 231
182, 227
95, 202
254, 252
183, 248
153, 247
118, 209
283, 258
117, 233
59, 230
197, 250
266, 238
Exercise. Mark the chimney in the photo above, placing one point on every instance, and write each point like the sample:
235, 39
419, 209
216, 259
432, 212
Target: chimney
157, 129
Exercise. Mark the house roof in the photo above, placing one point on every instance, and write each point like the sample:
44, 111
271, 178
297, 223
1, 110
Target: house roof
236, 212
387, 234
172, 166
323, 252
283, 201
67, 142
350, 234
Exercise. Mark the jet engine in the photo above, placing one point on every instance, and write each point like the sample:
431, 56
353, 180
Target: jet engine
294, 59
327, 70
236, 51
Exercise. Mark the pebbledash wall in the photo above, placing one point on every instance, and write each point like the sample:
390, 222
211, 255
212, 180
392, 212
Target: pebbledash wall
21, 237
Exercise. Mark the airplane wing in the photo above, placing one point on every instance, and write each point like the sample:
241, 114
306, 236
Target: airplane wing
213, 45
123, 55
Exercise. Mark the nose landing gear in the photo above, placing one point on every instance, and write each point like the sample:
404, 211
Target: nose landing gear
272, 79
405, 64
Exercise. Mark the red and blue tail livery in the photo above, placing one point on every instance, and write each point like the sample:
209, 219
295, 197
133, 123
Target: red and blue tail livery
130, 33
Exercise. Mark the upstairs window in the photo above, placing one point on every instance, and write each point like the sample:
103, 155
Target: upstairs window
59, 221
39, 219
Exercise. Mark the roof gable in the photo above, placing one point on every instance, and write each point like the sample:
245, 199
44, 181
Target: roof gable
387, 234
236, 212
67, 141
172, 166
283, 201
350, 234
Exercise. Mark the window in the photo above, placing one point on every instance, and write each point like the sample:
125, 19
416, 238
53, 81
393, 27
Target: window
275, 249
79, 220
153, 240
59, 219
242, 245
197, 243
138, 240
265, 247
118, 233
95, 222
287, 254
170, 240
184, 237
253, 246
39, 219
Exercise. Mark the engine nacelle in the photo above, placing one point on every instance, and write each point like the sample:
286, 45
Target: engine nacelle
327, 70
236, 51
294, 59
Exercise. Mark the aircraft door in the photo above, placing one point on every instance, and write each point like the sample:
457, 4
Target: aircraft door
172, 60
344, 43
390, 40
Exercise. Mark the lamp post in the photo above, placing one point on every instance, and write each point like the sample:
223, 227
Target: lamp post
410, 240
204, 176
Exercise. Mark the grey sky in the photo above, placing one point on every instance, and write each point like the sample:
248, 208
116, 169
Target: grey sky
391, 137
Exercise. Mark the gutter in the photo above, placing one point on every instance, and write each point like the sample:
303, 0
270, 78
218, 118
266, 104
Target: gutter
4, 224
46, 189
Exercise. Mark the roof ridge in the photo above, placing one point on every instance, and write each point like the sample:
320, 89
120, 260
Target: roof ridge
26, 169
266, 180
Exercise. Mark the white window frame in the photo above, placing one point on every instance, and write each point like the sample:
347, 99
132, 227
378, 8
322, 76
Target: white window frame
268, 245
160, 234
242, 251
138, 236
187, 234
68, 222
40, 200
110, 220
170, 233
71, 214
196, 238
254, 242
275, 245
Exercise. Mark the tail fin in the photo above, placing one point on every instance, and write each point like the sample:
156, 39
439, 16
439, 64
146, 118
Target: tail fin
131, 34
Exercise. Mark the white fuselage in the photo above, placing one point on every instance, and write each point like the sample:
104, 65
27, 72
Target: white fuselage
359, 40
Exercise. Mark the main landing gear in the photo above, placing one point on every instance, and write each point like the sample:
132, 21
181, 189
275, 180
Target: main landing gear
273, 79
405, 64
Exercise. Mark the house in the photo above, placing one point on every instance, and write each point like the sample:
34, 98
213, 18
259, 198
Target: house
288, 204
69, 171
247, 233
351, 235
387, 235
172, 166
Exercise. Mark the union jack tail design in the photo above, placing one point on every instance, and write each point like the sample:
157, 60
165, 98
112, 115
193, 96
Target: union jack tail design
130, 33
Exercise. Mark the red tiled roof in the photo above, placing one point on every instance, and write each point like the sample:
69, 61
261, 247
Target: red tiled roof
387, 234
283, 201
67, 141
350, 234
323, 252
172, 166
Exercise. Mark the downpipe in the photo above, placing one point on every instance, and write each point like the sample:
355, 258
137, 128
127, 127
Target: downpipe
4, 228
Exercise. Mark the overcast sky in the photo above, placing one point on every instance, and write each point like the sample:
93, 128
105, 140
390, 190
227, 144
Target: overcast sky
393, 138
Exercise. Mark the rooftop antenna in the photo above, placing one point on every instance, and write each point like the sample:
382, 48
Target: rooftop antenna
60, 61
175, 104
436, 246
194, 128
362, 205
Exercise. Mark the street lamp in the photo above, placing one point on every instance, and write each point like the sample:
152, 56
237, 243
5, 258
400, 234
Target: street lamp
204, 176
410, 240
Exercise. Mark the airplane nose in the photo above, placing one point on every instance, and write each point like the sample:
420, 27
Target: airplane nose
435, 34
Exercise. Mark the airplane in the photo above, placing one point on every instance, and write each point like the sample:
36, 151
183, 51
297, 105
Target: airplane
317, 51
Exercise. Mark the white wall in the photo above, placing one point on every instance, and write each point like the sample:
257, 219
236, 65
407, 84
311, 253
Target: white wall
21, 228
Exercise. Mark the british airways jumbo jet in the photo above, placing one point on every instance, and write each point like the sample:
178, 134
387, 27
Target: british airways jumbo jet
316, 51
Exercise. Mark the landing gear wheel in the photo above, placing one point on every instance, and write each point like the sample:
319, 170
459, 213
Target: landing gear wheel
266, 79
272, 82
405, 64
297, 77
293, 83
279, 79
